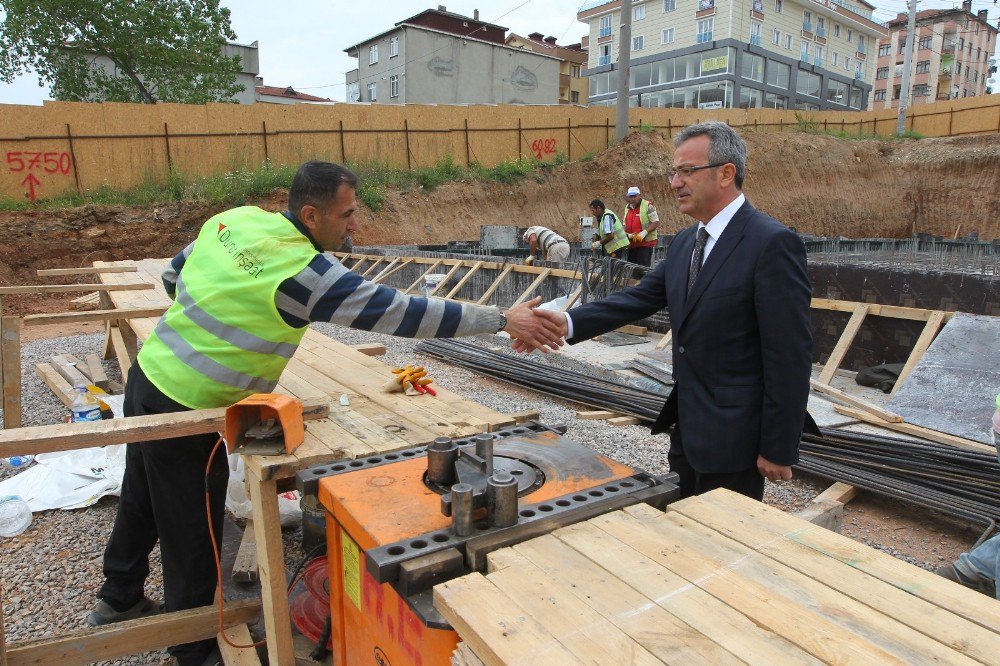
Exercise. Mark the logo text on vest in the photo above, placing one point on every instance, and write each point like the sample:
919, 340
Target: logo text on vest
243, 257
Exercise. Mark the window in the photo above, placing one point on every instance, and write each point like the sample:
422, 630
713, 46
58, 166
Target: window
574, 71
847, 63
835, 60
637, 43
850, 35
755, 27
776, 37
836, 92
393, 47
772, 101
820, 26
882, 73
855, 98
805, 51
669, 5
884, 50
862, 47
373, 54
880, 95
902, 43
923, 66
924, 43
574, 96
605, 28
899, 70
753, 67
353, 92
819, 56
751, 98
921, 90
638, 12
371, 92
778, 74
667, 36
705, 30
807, 83
394, 85
777, 6
788, 42
807, 21
605, 57
836, 30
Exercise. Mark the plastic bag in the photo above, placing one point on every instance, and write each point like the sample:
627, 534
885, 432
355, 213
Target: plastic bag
238, 503
556, 304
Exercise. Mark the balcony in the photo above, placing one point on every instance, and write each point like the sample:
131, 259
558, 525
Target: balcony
564, 80
807, 26
604, 60
818, 62
821, 31
703, 37
755, 40
862, 49
604, 32
945, 73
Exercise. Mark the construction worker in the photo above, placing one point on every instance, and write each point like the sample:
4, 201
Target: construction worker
244, 294
611, 233
641, 222
554, 247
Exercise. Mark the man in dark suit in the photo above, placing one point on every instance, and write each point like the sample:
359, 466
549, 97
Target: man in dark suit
738, 295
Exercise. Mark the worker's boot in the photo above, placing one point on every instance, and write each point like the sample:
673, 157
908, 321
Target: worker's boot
104, 613
977, 583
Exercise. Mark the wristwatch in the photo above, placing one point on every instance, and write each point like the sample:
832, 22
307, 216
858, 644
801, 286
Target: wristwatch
503, 322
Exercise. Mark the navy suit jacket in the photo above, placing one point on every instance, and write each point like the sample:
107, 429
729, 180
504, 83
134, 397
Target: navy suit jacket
742, 344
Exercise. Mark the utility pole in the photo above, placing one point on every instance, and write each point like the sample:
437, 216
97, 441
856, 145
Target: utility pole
624, 56
904, 90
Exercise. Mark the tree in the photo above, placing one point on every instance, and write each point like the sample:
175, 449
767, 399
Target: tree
121, 50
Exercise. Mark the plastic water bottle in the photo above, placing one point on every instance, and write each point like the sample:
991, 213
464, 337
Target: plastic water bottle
16, 462
85, 406
15, 516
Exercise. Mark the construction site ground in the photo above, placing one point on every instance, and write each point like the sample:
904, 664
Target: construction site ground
816, 183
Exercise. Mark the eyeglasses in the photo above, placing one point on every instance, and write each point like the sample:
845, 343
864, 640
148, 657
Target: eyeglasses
686, 171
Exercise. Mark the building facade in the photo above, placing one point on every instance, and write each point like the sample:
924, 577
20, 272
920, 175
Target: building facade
708, 54
438, 57
572, 62
952, 58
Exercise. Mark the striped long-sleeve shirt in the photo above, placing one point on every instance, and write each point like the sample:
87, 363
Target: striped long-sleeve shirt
325, 291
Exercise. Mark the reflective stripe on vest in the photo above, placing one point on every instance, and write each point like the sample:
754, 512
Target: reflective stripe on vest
620, 239
223, 338
644, 221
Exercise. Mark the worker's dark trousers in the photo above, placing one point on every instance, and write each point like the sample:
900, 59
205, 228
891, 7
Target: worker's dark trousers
163, 498
747, 482
640, 255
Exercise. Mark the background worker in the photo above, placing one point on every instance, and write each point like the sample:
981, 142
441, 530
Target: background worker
244, 293
610, 234
738, 293
641, 223
554, 247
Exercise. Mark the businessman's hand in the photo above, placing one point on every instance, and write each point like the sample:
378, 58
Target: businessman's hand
529, 331
772, 471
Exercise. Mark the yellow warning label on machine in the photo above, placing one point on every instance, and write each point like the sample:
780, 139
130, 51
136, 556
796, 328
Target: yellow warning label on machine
351, 556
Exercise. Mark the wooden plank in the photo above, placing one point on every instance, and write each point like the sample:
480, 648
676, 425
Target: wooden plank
664, 341
372, 349
245, 563
632, 329
531, 287
10, 359
374, 265
923, 342
271, 569
132, 637
447, 276
465, 278
86, 270
525, 416
420, 279
875, 309
497, 628
843, 396
844, 343
3, 640
827, 508
489, 265
238, 656
60, 288
916, 431
573, 298
595, 415
770, 535
93, 298
776, 605
71, 436
624, 421
68, 367
94, 315
98, 377
838, 492
386, 273
382, 272
56, 382
496, 284
464, 656
589, 552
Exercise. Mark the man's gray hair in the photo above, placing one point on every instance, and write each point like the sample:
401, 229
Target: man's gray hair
725, 145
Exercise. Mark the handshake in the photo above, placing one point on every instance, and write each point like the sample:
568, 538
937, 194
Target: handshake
638, 237
531, 327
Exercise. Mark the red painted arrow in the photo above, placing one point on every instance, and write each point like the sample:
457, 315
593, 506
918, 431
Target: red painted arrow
31, 182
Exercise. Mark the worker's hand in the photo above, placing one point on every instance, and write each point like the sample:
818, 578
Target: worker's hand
772, 471
530, 259
555, 319
533, 332
596, 237
596, 245
641, 236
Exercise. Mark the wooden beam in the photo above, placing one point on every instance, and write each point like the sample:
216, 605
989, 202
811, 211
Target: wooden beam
916, 431
665, 340
421, 278
827, 508
56, 382
496, 284
88, 270
387, 268
10, 353
373, 266
923, 342
71, 436
874, 410
68, 367
624, 421
245, 563
271, 569
132, 637
844, 343
528, 415
371, 349
59, 288
3, 641
497, 265
465, 278
386, 273
838, 492
531, 287
595, 415
98, 377
573, 298
95, 315
238, 656
877, 310
632, 329
440, 285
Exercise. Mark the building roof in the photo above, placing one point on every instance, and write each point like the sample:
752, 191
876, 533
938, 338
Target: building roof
542, 44
289, 92
930, 14
414, 21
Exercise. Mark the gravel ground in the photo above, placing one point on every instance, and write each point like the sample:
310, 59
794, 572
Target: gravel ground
50, 574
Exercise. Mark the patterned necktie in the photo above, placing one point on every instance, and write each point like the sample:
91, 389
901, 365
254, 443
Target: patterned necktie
696, 257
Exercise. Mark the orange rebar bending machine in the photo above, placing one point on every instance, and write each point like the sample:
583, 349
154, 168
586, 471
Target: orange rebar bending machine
400, 523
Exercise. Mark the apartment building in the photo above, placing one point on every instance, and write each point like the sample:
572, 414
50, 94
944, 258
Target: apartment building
711, 54
439, 57
952, 58
572, 61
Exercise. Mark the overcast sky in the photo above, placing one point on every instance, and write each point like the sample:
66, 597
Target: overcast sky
302, 42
